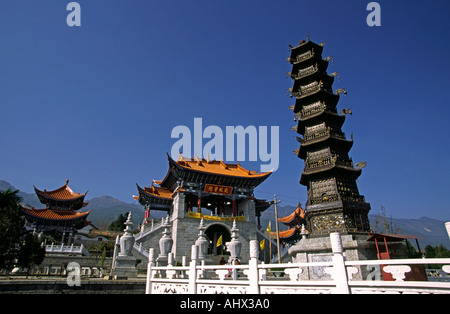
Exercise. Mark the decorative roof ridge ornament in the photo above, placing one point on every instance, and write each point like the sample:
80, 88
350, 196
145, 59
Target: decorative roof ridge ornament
346, 111
340, 91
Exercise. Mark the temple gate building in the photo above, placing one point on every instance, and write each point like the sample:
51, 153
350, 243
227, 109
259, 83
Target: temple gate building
62, 212
217, 192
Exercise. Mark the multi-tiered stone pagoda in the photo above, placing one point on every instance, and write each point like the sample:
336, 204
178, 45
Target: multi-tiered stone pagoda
334, 202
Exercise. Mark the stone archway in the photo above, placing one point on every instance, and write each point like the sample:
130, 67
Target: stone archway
213, 233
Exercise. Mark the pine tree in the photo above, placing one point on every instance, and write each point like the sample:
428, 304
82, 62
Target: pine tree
18, 247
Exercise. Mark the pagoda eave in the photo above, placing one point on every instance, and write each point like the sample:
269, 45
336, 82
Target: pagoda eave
262, 205
328, 97
347, 171
288, 236
320, 64
147, 198
54, 215
303, 47
333, 118
62, 197
326, 79
333, 141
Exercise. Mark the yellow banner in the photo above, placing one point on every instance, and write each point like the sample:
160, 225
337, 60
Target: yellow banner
216, 218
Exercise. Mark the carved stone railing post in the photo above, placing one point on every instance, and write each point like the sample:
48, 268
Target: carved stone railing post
192, 289
151, 263
339, 272
253, 268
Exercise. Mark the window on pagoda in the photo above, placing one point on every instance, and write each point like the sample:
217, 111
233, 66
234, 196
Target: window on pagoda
323, 188
312, 108
315, 128
304, 56
305, 71
318, 158
309, 86
347, 188
319, 155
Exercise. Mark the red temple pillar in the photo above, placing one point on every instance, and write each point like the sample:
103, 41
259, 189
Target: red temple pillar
199, 202
232, 205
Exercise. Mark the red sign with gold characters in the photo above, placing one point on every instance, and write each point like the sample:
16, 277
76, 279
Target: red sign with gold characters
218, 189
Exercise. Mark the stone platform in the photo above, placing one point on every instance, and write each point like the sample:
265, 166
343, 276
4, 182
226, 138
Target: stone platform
356, 247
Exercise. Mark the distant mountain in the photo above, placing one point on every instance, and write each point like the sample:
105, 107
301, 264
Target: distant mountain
106, 209
431, 231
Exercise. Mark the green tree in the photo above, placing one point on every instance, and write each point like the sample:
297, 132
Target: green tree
118, 225
30, 253
17, 246
437, 251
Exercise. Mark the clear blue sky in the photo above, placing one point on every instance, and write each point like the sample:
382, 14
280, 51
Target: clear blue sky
96, 104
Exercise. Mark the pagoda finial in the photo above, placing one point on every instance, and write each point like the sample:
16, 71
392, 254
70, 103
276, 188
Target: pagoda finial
67, 181
308, 36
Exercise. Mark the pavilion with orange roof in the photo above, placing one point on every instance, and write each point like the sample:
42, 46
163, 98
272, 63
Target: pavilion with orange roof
62, 212
296, 222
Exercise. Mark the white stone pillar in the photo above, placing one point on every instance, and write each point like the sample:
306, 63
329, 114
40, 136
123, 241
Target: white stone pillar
253, 267
192, 288
151, 263
339, 272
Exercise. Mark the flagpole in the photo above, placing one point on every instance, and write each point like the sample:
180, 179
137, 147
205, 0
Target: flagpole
276, 224
270, 245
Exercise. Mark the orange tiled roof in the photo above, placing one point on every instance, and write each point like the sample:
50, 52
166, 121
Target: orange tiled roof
284, 234
299, 212
62, 193
156, 191
51, 214
219, 167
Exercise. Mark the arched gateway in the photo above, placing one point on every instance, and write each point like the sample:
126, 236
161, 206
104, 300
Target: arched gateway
218, 192
218, 234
